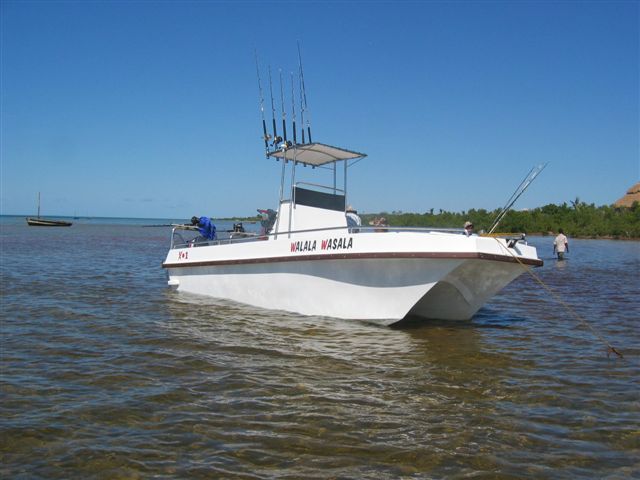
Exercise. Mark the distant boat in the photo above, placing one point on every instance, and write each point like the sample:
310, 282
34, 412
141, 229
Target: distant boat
42, 222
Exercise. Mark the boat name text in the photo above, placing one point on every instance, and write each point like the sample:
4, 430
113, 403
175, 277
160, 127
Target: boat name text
337, 243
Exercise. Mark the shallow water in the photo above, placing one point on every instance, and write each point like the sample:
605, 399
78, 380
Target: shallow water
106, 373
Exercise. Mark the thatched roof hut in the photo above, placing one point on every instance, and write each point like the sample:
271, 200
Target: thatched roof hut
633, 195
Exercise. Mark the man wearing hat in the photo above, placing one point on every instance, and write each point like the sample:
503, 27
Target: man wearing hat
353, 219
468, 228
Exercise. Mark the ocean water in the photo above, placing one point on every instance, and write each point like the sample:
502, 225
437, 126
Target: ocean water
106, 373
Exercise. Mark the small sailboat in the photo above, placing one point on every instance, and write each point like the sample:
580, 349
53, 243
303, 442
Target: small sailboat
42, 222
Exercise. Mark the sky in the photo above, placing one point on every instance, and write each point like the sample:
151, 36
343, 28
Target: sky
151, 108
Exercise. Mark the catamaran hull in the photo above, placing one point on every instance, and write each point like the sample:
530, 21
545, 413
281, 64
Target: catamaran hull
381, 290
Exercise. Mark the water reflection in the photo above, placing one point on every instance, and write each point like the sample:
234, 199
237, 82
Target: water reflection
560, 264
345, 389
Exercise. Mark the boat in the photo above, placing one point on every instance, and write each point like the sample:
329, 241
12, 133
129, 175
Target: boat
311, 262
45, 222
42, 222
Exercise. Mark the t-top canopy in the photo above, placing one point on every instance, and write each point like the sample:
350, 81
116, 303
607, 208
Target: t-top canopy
316, 154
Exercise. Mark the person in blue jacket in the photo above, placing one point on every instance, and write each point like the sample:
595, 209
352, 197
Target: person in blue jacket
205, 226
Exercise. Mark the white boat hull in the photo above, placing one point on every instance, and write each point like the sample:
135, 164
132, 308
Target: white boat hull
376, 277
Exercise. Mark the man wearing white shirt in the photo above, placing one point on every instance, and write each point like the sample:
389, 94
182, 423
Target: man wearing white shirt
561, 245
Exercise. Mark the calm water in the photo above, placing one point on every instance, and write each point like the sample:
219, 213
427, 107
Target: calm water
105, 373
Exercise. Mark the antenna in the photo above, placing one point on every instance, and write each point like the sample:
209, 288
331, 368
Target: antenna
293, 110
303, 97
284, 113
273, 111
533, 173
264, 124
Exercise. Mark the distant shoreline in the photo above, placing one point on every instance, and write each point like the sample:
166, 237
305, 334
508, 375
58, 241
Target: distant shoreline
579, 220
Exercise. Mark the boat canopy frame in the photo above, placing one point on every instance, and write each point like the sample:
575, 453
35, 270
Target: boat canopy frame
316, 155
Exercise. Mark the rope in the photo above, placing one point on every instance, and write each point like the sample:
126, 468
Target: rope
556, 297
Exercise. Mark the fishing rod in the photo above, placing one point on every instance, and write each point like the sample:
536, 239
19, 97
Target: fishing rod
301, 108
533, 173
273, 111
303, 97
284, 113
185, 225
293, 110
264, 123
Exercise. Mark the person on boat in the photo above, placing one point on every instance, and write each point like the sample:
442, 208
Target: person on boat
268, 219
380, 222
561, 245
468, 228
353, 219
205, 226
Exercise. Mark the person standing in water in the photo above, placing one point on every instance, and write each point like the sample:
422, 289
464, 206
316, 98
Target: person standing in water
561, 245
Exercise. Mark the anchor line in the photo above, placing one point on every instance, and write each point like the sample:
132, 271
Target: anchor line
557, 298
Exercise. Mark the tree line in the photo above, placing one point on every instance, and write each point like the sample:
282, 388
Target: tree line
578, 219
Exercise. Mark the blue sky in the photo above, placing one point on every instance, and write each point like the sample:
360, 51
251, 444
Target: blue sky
151, 109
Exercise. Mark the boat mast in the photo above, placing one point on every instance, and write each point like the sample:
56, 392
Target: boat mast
38, 204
